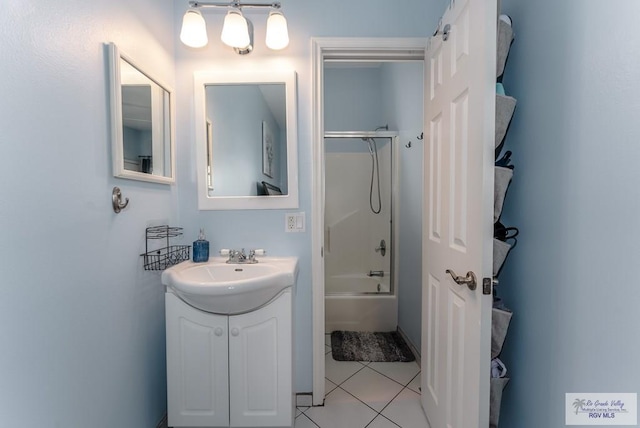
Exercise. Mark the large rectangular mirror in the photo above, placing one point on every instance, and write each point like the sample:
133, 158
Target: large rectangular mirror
246, 138
141, 122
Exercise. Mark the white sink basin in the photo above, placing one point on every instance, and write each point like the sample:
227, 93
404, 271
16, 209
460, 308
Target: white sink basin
222, 288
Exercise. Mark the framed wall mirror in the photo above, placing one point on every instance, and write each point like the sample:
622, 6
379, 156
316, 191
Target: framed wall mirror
246, 139
141, 122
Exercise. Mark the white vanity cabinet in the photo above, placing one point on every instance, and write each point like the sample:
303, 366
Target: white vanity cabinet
230, 370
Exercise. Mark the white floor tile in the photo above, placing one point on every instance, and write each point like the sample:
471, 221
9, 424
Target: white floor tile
300, 409
400, 372
372, 388
382, 422
406, 410
328, 386
341, 410
304, 422
414, 385
339, 371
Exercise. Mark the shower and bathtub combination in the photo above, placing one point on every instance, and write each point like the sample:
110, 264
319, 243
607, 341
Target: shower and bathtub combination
360, 273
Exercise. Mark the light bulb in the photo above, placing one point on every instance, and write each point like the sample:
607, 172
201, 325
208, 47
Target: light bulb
194, 29
277, 33
235, 31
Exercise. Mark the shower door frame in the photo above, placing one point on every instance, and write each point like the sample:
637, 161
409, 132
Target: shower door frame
348, 49
393, 212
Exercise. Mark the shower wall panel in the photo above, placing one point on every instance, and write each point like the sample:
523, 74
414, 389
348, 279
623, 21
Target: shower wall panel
352, 230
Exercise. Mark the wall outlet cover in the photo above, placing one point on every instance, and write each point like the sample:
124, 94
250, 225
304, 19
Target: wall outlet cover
294, 222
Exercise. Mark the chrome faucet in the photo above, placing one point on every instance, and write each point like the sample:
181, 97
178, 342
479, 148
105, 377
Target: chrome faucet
240, 257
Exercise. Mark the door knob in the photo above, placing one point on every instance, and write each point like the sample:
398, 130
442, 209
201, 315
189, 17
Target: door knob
218, 331
469, 280
235, 331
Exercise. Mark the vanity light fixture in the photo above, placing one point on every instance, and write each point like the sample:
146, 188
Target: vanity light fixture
237, 31
194, 29
277, 32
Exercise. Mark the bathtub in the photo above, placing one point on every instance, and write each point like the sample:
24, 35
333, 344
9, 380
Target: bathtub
360, 303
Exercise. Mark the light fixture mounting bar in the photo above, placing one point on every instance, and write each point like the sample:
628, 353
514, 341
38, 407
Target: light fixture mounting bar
234, 4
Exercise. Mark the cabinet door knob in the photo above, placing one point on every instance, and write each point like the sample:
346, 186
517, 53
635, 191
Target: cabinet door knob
235, 331
218, 331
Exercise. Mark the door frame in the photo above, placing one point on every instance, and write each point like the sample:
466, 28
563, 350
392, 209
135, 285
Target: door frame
348, 49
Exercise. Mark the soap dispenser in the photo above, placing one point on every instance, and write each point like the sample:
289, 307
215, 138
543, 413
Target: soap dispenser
201, 249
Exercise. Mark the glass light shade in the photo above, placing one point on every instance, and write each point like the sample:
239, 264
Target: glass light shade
235, 31
194, 29
277, 32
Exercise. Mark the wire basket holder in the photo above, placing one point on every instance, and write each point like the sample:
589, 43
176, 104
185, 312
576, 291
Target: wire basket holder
168, 255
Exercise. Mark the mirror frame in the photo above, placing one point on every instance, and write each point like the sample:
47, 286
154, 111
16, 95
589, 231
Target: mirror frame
205, 78
117, 140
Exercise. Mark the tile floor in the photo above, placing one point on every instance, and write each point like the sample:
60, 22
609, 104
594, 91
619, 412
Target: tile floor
363, 394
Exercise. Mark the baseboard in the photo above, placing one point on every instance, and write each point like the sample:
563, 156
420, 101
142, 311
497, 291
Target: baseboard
163, 423
414, 350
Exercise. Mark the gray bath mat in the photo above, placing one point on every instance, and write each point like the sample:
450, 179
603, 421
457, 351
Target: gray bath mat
365, 346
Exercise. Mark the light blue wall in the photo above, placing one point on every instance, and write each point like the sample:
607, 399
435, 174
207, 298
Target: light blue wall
402, 85
353, 99
571, 279
81, 323
265, 229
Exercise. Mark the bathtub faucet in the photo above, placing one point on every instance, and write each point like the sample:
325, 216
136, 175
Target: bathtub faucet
379, 273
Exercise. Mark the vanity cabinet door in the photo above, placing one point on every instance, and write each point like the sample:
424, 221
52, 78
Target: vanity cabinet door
260, 367
197, 366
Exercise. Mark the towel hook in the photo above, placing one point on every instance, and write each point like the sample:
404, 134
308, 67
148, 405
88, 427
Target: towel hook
419, 137
445, 32
116, 200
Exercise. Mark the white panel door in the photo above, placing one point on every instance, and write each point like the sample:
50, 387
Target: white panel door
457, 215
260, 366
197, 366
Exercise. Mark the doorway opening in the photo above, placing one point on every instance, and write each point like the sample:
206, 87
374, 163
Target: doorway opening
333, 130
